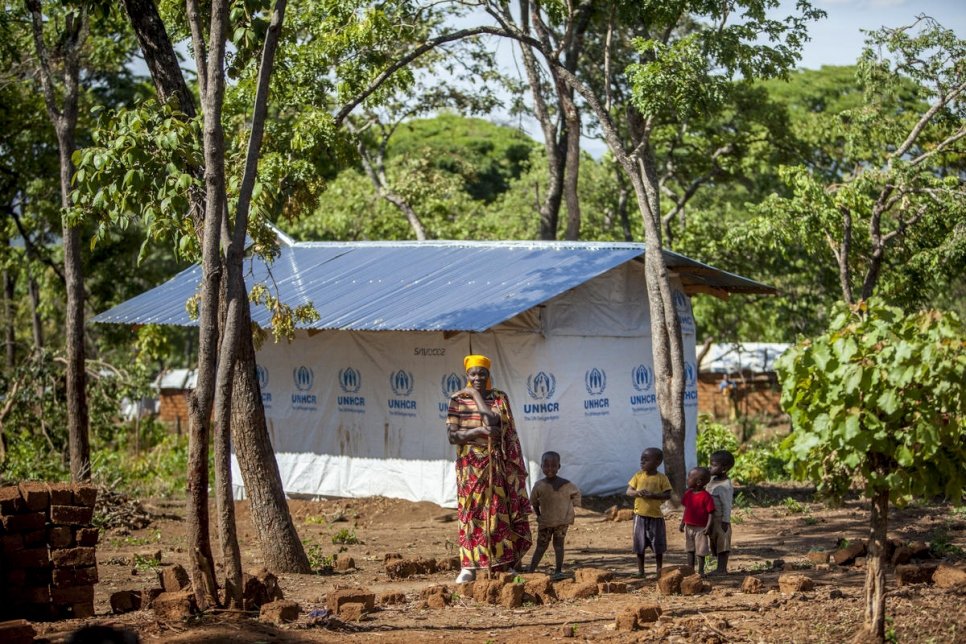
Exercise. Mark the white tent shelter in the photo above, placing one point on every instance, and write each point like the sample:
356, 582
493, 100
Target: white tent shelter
356, 403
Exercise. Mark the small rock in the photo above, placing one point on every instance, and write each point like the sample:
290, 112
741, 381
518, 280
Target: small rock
511, 595
901, 555
694, 585
915, 574
174, 578
670, 583
647, 613
790, 584
818, 556
845, 556
352, 612
344, 564
626, 620
125, 601
835, 593
575, 590
388, 599
174, 606
752, 586
947, 576
568, 630
778, 564
281, 611
592, 575
335, 599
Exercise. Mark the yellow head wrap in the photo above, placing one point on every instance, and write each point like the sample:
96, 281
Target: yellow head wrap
478, 361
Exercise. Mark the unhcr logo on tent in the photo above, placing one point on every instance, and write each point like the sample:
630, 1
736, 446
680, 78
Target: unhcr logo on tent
683, 306
541, 387
402, 383
261, 374
690, 385
304, 378
595, 380
642, 379
350, 381
449, 385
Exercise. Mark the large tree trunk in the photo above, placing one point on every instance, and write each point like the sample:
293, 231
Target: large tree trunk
77, 421
256, 459
875, 568
62, 113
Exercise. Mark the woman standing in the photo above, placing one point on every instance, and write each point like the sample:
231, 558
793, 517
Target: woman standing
494, 529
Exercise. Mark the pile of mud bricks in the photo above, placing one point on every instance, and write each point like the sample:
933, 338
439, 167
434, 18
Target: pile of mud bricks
48, 565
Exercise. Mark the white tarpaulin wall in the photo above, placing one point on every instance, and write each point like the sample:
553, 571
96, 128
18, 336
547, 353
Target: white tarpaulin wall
363, 413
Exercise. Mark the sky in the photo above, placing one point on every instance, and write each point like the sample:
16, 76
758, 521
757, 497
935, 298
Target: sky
835, 40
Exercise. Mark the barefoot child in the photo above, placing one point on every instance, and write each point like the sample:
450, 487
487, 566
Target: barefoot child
649, 488
723, 494
553, 499
698, 513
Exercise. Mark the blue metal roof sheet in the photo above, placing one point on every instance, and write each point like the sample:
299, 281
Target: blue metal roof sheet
406, 286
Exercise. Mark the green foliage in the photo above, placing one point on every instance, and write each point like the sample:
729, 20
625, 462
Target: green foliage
758, 462
712, 437
879, 398
793, 506
345, 536
319, 562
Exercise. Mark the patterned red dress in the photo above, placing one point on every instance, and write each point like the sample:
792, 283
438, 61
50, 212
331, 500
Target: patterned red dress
494, 529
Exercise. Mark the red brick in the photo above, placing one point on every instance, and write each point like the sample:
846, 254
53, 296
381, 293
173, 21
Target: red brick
30, 558
74, 557
82, 610
37, 577
71, 515
85, 495
14, 578
35, 538
35, 594
74, 576
35, 496
24, 522
336, 598
60, 537
88, 536
10, 543
174, 606
10, 500
125, 601
72, 595
60, 493
17, 631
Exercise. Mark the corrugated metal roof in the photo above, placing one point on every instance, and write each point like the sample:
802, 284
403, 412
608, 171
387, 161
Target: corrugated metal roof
425, 286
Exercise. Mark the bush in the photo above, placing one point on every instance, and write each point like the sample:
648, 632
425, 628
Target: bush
760, 462
713, 436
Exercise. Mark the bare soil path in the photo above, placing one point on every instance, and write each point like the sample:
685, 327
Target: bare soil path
831, 612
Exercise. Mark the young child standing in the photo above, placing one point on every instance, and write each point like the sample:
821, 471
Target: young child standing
723, 494
553, 499
649, 488
698, 513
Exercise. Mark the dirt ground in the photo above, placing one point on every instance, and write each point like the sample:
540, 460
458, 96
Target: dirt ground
831, 612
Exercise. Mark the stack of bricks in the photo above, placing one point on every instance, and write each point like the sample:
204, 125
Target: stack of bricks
48, 565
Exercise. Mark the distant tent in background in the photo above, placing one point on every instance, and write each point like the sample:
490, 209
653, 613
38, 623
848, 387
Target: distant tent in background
739, 380
356, 403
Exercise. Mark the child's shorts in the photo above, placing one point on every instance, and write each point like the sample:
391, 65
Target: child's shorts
696, 541
720, 539
649, 532
545, 535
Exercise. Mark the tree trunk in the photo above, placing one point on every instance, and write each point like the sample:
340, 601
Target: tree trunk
62, 113
9, 328
36, 324
201, 402
281, 547
77, 421
157, 49
875, 568
224, 499
572, 171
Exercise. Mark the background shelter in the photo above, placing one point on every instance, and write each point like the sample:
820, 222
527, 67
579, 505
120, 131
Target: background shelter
356, 403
